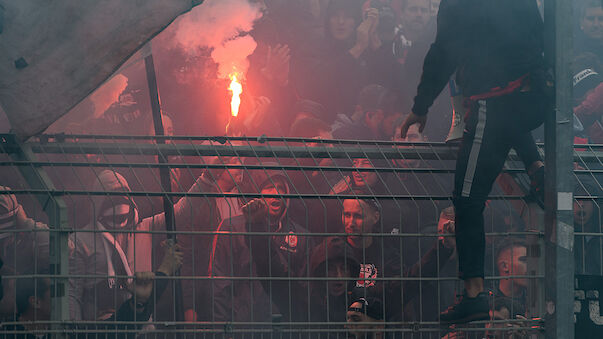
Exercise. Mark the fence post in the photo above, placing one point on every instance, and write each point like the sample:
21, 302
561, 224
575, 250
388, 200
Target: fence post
559, 231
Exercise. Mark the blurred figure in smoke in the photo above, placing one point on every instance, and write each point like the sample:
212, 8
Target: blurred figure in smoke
511, 261
373, 118
507, 98
331, 71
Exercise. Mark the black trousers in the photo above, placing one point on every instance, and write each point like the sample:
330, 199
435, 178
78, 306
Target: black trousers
494, 126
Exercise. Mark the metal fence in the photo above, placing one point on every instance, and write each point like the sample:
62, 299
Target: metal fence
279, 237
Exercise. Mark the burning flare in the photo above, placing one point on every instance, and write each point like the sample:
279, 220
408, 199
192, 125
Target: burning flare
236, 88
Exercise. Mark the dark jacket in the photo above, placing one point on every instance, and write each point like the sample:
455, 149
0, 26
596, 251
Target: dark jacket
488, 44
284, 255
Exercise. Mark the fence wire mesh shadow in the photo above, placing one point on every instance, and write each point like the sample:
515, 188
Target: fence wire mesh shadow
272, 237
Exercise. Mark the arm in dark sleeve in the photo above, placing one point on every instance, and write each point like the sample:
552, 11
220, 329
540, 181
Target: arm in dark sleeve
220, 266
440, 63
428, 266
271, 261
128, 312
194, 246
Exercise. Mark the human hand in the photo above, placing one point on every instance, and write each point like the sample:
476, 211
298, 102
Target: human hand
447, 227
141, 286
172, 259
375, 40
255, 211
278, 63
410, 120
364, 31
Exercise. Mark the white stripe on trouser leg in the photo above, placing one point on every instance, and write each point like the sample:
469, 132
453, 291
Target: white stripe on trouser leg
475, 148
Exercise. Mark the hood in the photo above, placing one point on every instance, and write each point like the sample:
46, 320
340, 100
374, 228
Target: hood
111, 181
331, 249
262, 178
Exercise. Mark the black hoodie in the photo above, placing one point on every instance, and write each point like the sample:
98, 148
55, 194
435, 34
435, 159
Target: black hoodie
487, 43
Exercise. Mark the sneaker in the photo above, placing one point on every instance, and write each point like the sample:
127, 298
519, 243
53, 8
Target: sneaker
466, 310
537, 187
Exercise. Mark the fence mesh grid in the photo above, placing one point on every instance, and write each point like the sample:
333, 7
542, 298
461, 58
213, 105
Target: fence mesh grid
276, 237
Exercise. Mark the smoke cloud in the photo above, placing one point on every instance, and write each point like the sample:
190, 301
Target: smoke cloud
220, 25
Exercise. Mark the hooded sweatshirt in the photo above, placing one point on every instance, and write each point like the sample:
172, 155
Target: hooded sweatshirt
241, 255
104, 253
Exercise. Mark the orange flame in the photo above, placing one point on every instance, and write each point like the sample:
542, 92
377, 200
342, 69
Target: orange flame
236, 88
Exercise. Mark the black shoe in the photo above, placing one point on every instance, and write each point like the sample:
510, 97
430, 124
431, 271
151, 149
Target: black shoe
537, 187
466, 310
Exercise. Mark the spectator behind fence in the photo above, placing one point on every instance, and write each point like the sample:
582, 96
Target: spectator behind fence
379, 258
589, 36
587, 219
237, 255
107, 246
332, 258
373, 118
330, 71
511, 261
366, 310
197, 248
34, 303
24, 246
588, 97
312, 212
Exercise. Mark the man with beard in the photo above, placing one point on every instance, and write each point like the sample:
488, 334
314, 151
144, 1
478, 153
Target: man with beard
281, 254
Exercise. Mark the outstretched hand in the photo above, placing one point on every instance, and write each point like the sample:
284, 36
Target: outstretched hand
412, 119
255, 211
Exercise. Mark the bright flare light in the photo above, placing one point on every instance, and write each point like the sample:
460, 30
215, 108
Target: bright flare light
236, 88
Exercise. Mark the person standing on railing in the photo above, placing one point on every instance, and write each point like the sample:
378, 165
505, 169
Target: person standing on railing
496, 50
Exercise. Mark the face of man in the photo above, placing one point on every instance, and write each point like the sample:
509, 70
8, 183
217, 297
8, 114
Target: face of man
416, 14
358, 217
354, 317
341, 25
583, 211
592, 23
513, 261
363, 179
435, 6
276, 206
413, 135
337, 269
231, 177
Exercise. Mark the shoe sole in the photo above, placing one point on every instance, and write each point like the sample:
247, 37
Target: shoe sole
468, 319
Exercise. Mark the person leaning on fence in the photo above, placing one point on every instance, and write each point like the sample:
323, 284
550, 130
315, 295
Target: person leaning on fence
496, 50
283, 254
108, 247
34, 304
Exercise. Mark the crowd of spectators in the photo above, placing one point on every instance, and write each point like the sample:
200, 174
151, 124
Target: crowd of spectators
323, 69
